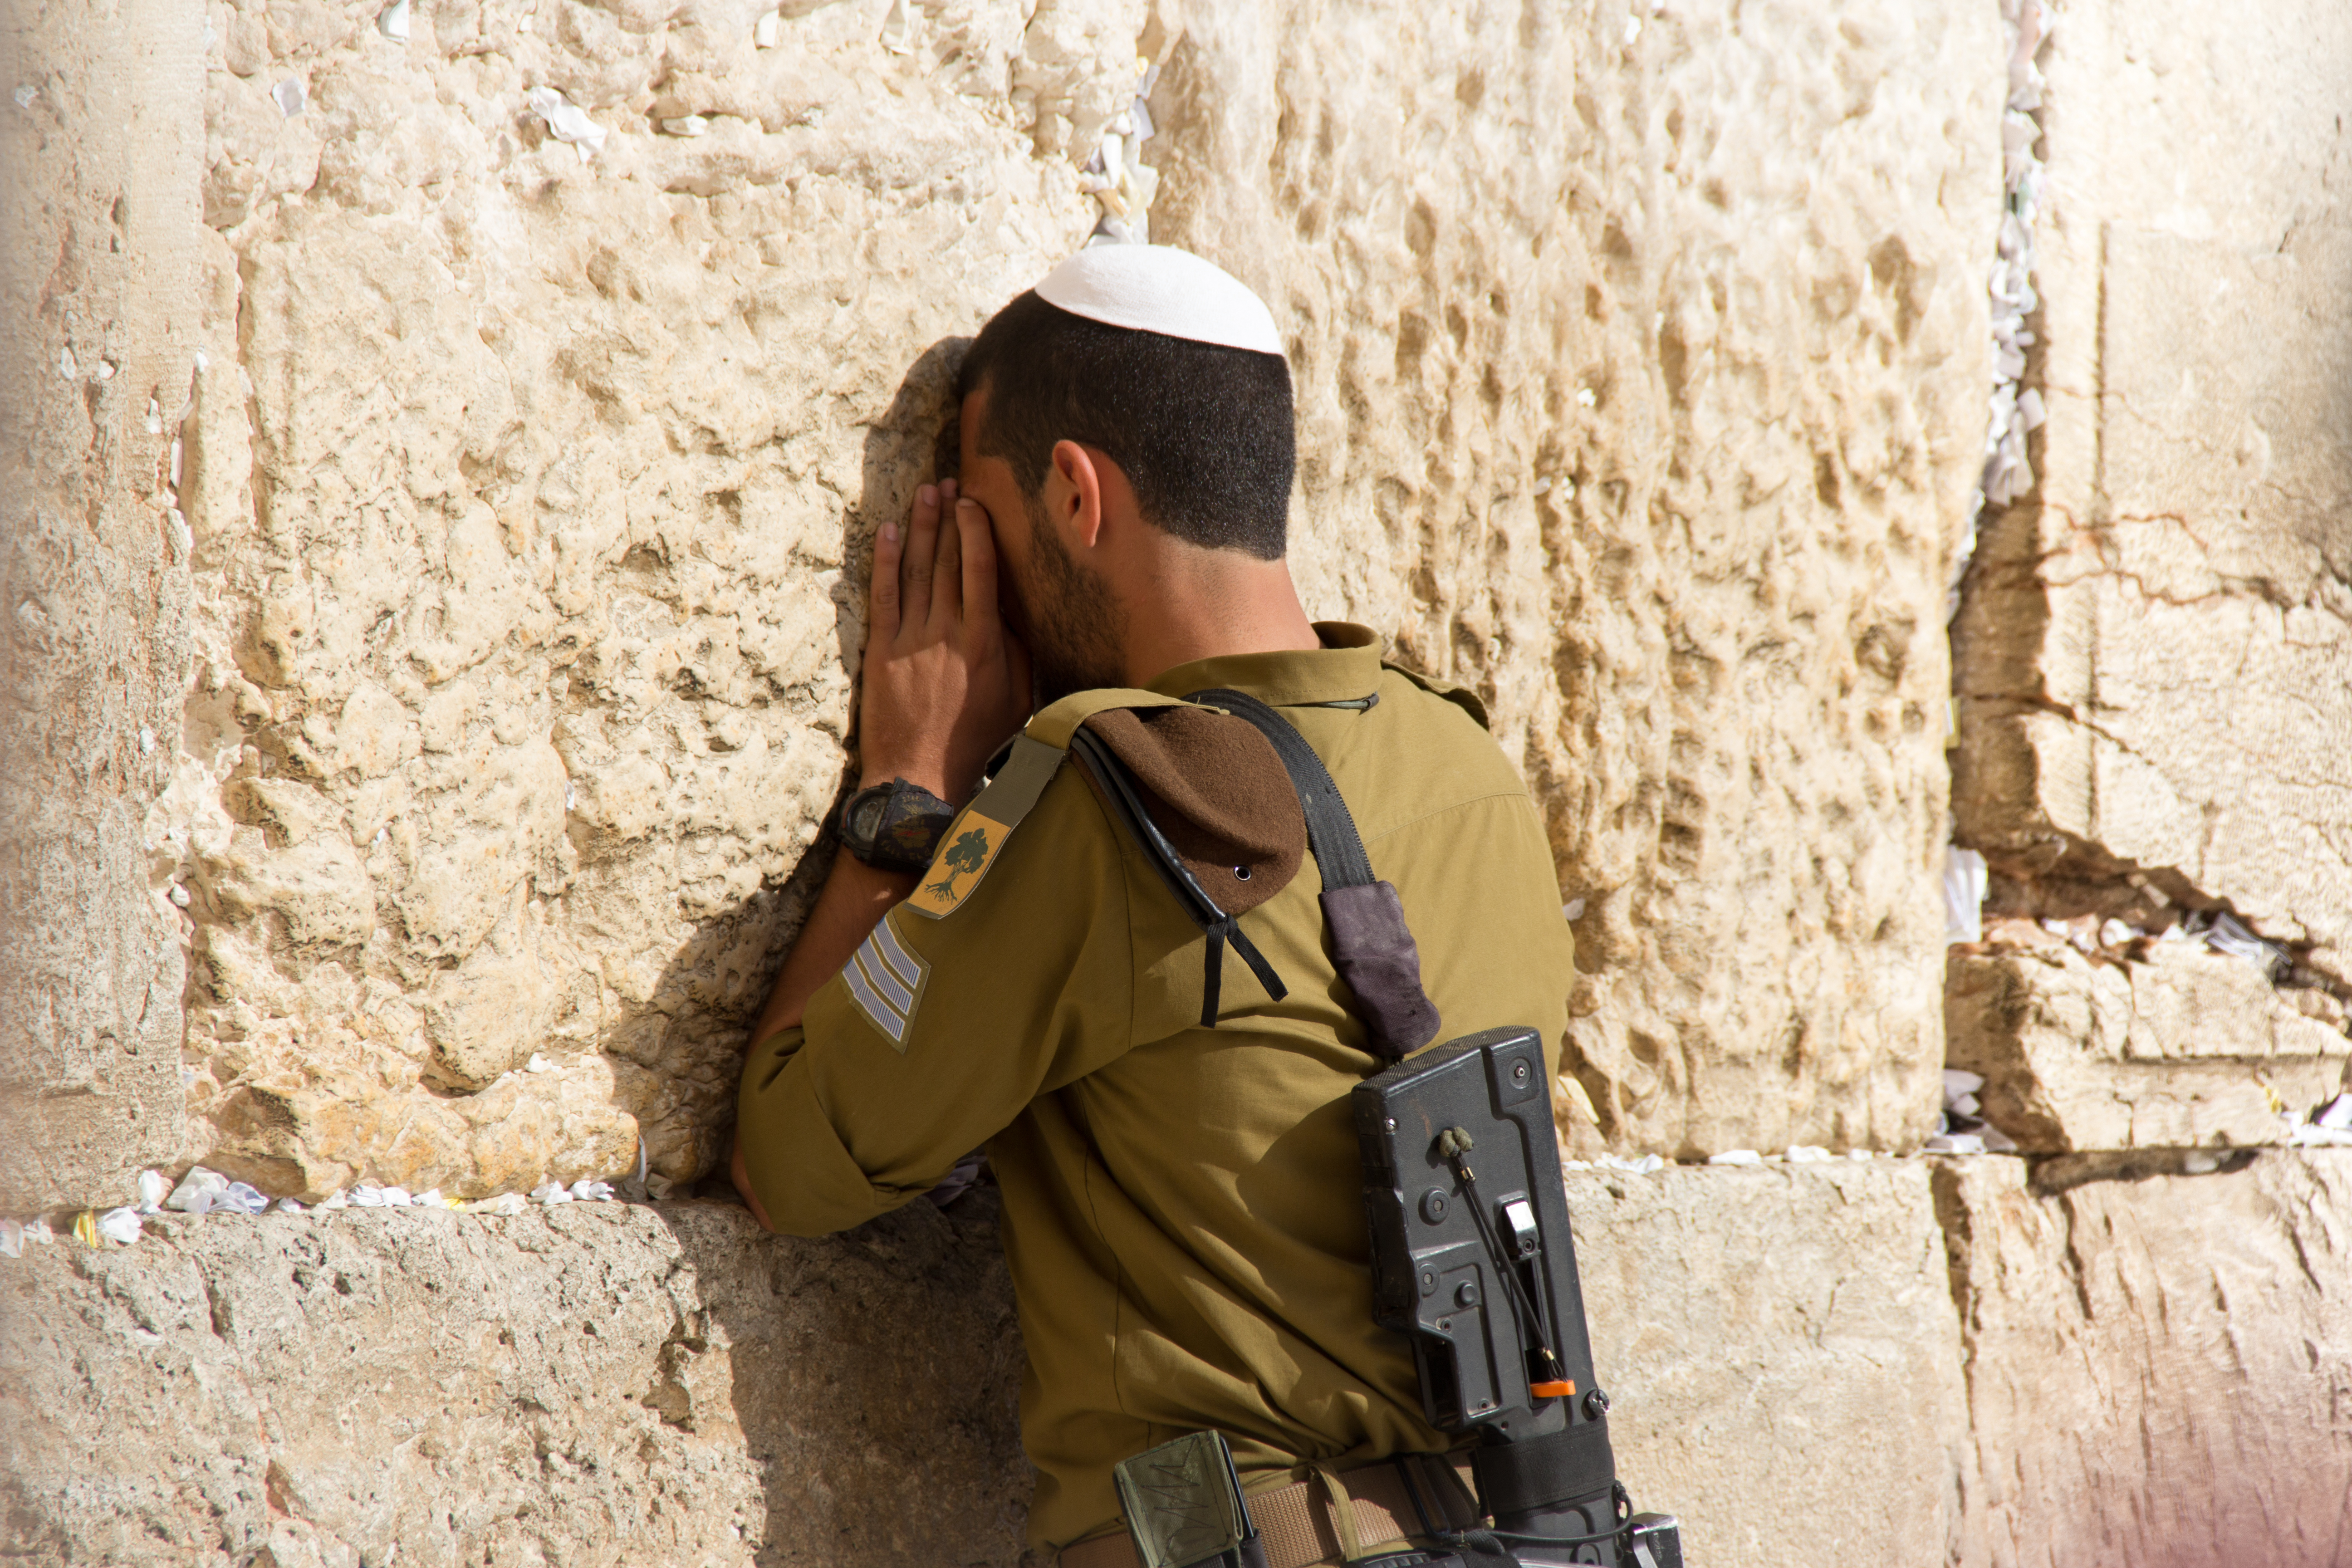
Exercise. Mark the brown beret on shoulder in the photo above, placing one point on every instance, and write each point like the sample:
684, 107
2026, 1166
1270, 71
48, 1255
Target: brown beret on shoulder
1217, 791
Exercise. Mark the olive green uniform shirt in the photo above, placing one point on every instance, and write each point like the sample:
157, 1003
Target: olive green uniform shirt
1183, 1206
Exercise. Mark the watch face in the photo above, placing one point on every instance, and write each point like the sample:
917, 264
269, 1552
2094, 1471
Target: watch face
867, 820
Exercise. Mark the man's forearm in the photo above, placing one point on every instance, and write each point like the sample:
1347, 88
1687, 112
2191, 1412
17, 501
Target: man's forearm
855, 896
943, 684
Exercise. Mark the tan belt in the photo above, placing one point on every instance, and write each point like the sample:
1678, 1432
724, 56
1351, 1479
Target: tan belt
1296, 1522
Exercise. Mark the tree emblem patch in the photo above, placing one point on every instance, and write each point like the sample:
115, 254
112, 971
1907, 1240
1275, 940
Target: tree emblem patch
979, 830
963, 859
968, 852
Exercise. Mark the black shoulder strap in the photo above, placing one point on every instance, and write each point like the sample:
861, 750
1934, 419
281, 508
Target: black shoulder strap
1371, 946
1118, 791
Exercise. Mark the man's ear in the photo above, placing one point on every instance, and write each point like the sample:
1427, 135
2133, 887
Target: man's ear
1078, 508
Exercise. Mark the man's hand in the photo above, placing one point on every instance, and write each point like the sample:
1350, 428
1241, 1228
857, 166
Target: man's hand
944, 682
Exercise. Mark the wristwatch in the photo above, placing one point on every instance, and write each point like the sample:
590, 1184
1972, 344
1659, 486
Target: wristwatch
895, 826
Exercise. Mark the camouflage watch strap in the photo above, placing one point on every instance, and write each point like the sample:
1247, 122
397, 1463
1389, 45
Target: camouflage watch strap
895, 826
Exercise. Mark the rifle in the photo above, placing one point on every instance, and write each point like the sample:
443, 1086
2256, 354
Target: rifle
1475, 1262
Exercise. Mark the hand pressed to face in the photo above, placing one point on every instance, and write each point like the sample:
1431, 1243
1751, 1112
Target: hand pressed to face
1062, 611
944, 683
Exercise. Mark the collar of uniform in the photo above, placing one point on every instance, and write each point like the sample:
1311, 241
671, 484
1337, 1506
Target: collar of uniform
1346, 666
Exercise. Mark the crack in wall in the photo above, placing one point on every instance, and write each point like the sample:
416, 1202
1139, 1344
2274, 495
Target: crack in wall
2018, 589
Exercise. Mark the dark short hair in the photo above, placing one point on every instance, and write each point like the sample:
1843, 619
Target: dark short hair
1201, 431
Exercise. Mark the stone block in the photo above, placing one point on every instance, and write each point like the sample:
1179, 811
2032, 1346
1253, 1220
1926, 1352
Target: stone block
1783, 1358
1591, 423
103, 146
662, 1385
592, 1384
2154, 654
2187, 1049
2160, 1370
530, 497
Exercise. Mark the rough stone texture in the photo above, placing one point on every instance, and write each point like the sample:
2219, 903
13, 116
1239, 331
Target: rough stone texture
2159, 1371
2155, 650
100, 152
594, 1385
2187, 1049
1641, 360
522, 486
1783, 1359
599, 1385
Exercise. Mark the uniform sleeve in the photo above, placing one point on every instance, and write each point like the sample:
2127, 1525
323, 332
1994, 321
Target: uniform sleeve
1495, 950
939, 1032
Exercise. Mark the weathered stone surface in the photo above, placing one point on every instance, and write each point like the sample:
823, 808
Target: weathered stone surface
2186, 1048
1641, 362
522, 486
663, 1385
2159, 1371
100, 152
527, 492
1783, 1359
592, 1384
2155, 650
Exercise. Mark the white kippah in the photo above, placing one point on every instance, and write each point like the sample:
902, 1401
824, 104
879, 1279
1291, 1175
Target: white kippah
1159, 288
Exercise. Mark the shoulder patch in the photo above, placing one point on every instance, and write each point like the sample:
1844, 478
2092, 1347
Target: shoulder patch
979, 830
886, 979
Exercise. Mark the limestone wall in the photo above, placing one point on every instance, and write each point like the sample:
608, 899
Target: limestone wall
524, 481
2159, 1363
663, 1385
1783, 1359
441, 443
2153, 652
2181, 1048
1642, 355
1816, 1363
101, 145
2153, 678
528, 482
592, 1384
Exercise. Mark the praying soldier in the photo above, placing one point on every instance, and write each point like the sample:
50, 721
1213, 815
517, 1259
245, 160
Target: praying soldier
1078, 924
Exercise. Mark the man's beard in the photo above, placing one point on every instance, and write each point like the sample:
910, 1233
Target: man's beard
1065, 615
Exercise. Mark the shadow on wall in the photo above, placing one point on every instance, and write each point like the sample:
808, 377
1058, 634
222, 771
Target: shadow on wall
874, 1375
657, 1385
720, 978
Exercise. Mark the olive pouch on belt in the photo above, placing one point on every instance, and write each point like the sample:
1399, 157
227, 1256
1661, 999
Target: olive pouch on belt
1183, 1506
